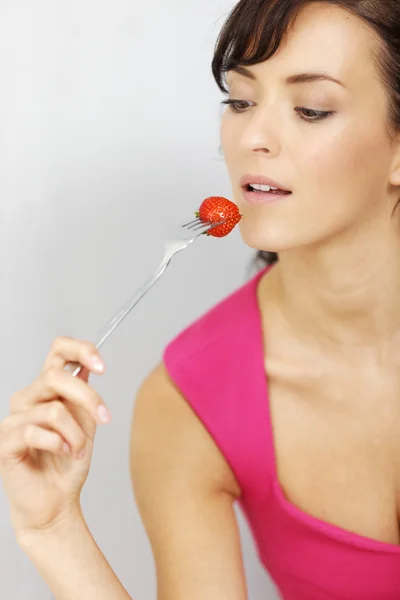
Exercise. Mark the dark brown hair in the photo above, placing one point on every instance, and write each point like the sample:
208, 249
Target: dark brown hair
255, 29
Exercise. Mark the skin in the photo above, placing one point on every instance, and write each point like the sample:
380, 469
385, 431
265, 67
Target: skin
333, 343
333, 353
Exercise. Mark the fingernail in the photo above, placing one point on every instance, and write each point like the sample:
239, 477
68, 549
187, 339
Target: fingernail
98, 364
103, 414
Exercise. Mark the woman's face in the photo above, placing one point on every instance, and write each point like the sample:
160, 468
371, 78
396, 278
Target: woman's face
342, 169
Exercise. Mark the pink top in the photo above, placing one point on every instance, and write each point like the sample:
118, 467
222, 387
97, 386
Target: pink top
218, 364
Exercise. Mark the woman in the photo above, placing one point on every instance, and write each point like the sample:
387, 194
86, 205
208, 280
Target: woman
286, 396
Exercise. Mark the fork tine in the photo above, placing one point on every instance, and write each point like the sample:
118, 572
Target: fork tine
196, 220
201, 225
206, 226
198, 224
212, 225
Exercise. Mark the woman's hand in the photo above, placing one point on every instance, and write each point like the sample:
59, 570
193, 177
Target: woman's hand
46, 442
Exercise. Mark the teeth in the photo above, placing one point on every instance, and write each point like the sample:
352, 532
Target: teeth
262, 188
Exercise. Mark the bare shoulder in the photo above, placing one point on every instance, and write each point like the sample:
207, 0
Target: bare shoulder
167, 429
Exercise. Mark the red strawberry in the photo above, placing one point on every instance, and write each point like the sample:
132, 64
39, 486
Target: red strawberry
215, 209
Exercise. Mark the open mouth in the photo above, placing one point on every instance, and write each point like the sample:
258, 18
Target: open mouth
266, 189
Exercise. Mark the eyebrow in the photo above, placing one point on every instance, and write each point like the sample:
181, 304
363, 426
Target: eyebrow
293, 79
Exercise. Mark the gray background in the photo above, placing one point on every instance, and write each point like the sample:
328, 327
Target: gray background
109, 135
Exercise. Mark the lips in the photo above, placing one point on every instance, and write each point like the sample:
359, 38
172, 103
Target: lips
267, 196
247, 180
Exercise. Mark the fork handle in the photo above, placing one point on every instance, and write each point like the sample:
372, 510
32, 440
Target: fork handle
126, 309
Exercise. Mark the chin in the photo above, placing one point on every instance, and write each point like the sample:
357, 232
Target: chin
271, 237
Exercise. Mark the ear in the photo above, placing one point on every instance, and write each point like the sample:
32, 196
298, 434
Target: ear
395, 173
395, 178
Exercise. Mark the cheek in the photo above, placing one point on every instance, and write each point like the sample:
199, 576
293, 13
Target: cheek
345, 163
229, 136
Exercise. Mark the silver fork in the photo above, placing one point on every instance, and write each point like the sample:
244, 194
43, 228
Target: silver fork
183, 236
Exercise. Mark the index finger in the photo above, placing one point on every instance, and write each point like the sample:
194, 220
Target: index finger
69, 350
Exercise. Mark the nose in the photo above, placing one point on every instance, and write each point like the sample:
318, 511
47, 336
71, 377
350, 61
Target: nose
260, 132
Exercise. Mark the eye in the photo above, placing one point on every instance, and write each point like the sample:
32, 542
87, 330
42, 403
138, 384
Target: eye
305, 114
312, 116
236, 106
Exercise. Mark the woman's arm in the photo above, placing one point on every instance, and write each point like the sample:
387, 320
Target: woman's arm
185, 492
71, 563
46, 444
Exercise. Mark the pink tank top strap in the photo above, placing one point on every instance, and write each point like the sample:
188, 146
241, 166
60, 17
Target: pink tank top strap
218, 365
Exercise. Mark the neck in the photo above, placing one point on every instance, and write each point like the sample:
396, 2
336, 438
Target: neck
345, 295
